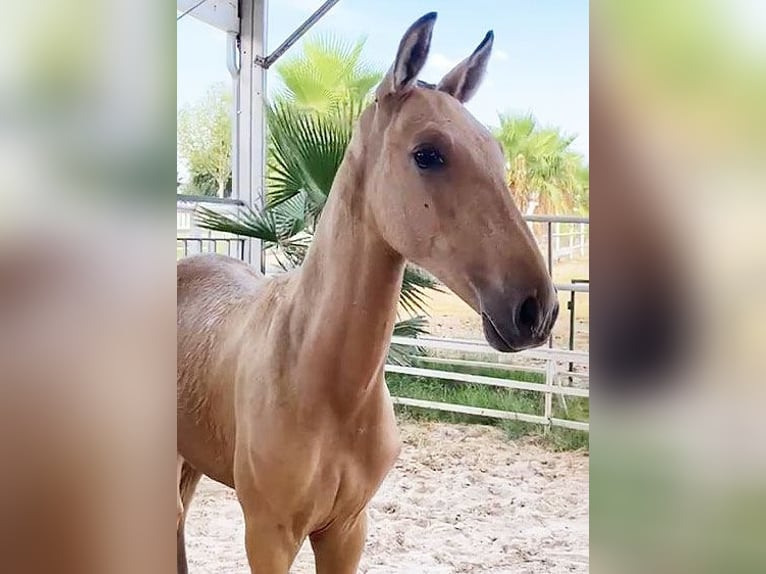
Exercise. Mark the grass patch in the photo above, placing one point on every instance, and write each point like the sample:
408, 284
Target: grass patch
498, 398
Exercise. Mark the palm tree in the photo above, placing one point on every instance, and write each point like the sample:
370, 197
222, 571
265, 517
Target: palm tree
308, 137
328, 73
582, 193
544, 174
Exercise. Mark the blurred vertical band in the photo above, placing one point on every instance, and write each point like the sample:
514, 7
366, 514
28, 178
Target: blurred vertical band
678, 201
87, 296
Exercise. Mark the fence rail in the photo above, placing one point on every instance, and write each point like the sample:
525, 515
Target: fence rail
571, 243
558, 369
231, 246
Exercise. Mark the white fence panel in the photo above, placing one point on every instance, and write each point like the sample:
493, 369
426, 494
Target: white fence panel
554, 375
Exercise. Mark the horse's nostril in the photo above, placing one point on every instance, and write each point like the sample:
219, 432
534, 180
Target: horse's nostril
528, 313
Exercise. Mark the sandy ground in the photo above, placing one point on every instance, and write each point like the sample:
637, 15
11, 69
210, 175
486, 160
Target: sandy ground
461, 499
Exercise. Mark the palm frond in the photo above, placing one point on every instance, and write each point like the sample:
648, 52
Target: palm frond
541, 165
278, 225
327, 72
247, 223
411, 328
295, 250
413, 299
306, 151
280, 228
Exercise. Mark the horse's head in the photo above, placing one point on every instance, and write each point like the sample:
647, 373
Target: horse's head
438, 194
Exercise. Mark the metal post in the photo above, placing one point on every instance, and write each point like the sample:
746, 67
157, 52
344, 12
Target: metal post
571, 307
572, 316
550, 266
549, 227
232, 63
267, 61
250, 124
550, 376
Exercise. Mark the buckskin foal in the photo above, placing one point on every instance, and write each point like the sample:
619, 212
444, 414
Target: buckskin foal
281, 393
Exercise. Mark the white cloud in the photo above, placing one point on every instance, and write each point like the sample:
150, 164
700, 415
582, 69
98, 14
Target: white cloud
438, 62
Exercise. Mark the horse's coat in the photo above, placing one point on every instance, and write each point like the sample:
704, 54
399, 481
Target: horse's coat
280, 381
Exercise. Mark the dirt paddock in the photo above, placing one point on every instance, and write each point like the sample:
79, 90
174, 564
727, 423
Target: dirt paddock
461, 499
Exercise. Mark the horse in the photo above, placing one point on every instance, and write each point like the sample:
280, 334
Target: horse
280, 387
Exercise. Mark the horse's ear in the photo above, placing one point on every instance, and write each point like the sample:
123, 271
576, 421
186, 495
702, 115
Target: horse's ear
411, 56
465, 78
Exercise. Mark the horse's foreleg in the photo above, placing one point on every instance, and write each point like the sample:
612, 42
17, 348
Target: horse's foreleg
187, 484
271, 547
338, 549
179, 502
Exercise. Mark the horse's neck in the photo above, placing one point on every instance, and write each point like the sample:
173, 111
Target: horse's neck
348, 288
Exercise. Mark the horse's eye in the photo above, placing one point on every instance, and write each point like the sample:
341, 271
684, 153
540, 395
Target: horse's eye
428, 157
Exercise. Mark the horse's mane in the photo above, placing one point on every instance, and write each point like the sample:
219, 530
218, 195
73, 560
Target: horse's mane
426, 85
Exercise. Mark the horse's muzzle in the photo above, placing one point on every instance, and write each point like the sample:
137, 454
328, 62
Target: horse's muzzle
521, 325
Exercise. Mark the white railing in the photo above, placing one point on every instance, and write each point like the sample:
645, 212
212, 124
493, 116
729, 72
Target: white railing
556, 372
563, 236
186, 216
571, 243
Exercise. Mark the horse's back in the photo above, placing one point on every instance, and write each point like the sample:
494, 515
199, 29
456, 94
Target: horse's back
210, 289
215, 295
221, 275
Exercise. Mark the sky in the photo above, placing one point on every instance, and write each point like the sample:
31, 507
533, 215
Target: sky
539, 63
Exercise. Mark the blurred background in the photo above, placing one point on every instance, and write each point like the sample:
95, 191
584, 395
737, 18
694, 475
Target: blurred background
87, 286
678, 189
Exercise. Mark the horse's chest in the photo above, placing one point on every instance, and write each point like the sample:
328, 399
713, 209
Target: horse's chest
317, 459
356, 469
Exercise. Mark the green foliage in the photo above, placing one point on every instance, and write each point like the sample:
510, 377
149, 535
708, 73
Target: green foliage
416, 287
544, 174
305, 152
329, 73
204, 142
411, 327
205, 184
281, 228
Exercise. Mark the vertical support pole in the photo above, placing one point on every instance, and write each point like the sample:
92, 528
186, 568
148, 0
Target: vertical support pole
550, 266
582, 239
250, 128
550, 376
549, 225
233, 63
550, 371
571, 307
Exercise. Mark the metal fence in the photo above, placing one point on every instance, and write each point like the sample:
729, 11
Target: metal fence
570, 240
565, 371
559, 379
231, 246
